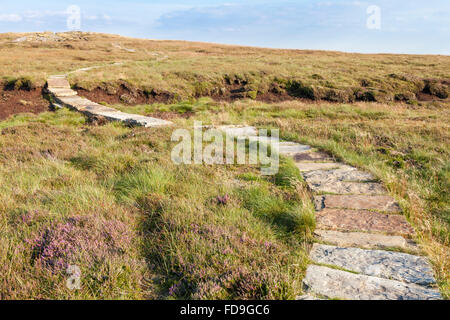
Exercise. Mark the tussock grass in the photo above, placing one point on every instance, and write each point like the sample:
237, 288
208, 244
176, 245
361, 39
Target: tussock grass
406, 147
109, 200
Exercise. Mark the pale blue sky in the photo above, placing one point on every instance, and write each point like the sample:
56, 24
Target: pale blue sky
413, 26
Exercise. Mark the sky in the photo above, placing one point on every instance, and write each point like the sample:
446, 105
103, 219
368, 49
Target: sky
374, 26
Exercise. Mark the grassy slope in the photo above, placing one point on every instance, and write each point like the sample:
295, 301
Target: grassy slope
407, 148
119, 185
109, 200
188, 69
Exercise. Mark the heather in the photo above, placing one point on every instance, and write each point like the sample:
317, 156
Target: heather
108, 199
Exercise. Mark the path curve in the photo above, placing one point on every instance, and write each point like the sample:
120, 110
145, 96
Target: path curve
63, 95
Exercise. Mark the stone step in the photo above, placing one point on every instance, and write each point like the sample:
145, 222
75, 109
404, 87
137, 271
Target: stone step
340, 187
58, 82
378, 263
62, 92
314, 166
358, 202
75, 102
133, 119
363, 220
239, 131
291, 148
263, 139
96, 109
312, 157
330, 176
333, 283
365, 240
307, 297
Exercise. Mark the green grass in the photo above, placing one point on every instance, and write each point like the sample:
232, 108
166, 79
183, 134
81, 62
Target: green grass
109, 200
406, 147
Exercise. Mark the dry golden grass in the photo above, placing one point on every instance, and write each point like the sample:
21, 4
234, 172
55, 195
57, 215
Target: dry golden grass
190, 69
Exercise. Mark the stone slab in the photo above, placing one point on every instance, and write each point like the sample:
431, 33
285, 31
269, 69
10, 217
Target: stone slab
340, 187
312, 157
58, 83
365, 240
307, 297
239, 131
347, 175
96, 109
378, 263
291, 148
75, 102
358, 202
63, 92
307, 166
333, 283
362, 220
263, 139
134, 119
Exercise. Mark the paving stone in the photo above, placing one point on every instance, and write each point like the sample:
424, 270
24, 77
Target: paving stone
365, 240
239, 131
307, 297
333, 283
359, 202
263, 139
312, 156
362, 220
307, 166
75, 102
339, 187
58, 82
133, 119
291, 148
378, 263
63, 92
96, 109
346, 174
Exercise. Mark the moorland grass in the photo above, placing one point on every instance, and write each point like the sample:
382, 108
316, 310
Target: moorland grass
109, 200
406, 147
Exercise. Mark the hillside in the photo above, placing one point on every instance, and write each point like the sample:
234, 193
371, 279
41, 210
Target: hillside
107, 197
173, 70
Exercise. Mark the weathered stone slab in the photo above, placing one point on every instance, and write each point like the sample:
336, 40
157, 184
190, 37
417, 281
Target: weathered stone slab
347, 175
307, 297
362, 220
333, 283
75, 102
58, 82
63, 92
239, 131
133, 119
290, 148
339, 187
358, 202
267, 140
378, 263
306, 166
96, 109
312, 157
364, 240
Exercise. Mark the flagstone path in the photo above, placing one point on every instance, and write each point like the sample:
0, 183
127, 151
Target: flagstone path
59, 88
364, 249
358, 224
